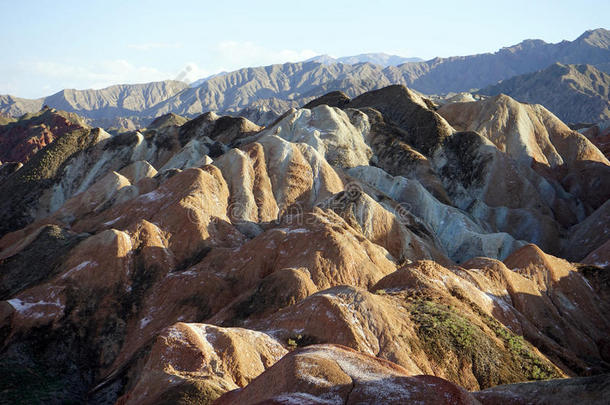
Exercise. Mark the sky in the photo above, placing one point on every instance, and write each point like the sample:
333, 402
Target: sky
48, 46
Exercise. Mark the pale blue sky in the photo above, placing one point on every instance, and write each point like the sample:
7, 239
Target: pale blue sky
46, 46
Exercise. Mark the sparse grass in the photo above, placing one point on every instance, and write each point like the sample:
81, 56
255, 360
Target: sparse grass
200, 392
123, 139
533, 366
300, 341
447, 333
443, 330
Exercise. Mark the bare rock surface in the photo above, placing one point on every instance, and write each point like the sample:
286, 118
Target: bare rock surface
333, 374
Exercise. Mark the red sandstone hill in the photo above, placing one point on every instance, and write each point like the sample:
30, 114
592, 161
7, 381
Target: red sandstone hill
21, 139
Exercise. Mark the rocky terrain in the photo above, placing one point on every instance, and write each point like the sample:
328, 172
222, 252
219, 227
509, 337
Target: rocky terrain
599, 135
263, 93
21, 139
5, 119
357, 250
574, 93
534, 137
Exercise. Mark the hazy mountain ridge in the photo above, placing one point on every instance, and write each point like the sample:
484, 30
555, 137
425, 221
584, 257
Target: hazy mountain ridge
575, 93
17, 106
382, 59
463, 73
105, 105
122, 99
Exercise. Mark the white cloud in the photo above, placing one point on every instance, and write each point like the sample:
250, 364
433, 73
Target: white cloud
147, 46
235, 54
102, 74
38, 79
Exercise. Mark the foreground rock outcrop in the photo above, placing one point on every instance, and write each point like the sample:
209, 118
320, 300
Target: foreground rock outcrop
336, 375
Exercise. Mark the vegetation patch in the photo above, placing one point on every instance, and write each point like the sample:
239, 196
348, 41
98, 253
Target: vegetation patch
447, 334
27, 184
299, 340
199, 392
124, 139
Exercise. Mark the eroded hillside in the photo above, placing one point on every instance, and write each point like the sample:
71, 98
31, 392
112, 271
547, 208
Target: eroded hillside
357, 250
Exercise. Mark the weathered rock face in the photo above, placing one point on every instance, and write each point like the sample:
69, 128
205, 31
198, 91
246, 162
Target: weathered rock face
332, 374
393, 154
167, 120
524, 131
599, 135
466, 170
394, 324
226, 130
575, 93
410, 112
27, 186
531, 135
453, 322
222, 261
37, 261
588, 235
460, 236
266, 111
329, 131
392, 226
83, 157
589, 181
203, 359
333, 99
600, 256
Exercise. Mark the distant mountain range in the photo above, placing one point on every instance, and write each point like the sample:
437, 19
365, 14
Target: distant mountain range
102, 107
464, 73
267, 91
381, 59
575, 93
